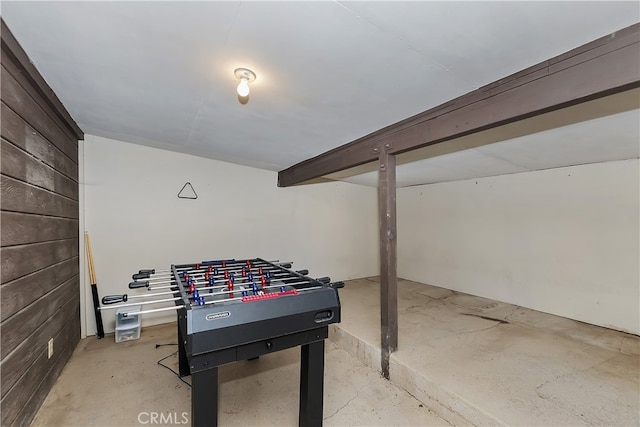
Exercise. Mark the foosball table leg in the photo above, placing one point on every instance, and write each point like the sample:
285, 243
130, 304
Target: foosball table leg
204, 398
183, 362
311, 384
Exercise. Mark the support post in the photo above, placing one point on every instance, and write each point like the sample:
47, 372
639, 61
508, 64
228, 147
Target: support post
388, 256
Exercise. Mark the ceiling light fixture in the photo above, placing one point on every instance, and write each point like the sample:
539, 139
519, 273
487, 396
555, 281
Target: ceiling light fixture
245, 76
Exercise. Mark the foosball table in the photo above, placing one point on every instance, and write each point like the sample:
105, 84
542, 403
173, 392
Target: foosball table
232, 310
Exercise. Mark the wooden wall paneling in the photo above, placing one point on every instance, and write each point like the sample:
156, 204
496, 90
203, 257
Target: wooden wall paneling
23, 80
21, 228
19, 293
20, 360
39, 274
15, 130
15, 97
19, 165
15, 406
22, 324
33, 405
18, 196
21, 260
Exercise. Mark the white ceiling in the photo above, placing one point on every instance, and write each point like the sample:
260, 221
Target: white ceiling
598, 140
161, 74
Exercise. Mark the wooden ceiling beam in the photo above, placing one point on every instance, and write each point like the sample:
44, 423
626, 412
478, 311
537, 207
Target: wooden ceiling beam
601, 68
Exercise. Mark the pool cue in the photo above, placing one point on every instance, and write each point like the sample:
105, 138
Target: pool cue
94, 288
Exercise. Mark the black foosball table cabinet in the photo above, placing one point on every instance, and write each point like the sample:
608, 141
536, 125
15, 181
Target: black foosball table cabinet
241, 325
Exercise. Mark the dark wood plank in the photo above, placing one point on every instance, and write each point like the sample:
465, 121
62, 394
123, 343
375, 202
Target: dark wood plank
21, 325
15, 406
11, 50
19, 361
18, 196
19, 293
30, 410
388, 258
8, 62
25, 81
15, 130
18, 261
16, 98
595, 70
21, 229
19, 165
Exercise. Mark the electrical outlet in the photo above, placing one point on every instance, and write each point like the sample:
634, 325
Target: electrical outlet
50, 349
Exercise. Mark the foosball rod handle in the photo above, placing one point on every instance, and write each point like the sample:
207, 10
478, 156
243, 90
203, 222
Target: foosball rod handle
325, 280
137, 284
303, 272
337, 285
113, 299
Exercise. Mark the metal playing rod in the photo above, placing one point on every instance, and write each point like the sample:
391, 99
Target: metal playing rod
168, 279
240, 297
182, 306
204, 265
236, 273
126, 297
109, 307
145, 274
235, 265
169, 284
153, 310
277, 285
325, 280
153, 294
177, 291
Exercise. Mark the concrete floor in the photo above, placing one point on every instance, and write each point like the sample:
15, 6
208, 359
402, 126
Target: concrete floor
109, 384
477, 361
467, 360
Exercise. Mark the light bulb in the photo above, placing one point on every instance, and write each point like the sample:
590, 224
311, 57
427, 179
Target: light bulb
243, 87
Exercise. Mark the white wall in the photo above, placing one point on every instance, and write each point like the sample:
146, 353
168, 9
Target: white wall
136, 220
562, 241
